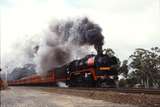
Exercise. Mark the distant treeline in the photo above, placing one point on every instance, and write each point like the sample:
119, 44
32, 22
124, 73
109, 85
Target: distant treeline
142, 69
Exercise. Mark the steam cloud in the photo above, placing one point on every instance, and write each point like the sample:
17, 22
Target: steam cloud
67, 40
63, 42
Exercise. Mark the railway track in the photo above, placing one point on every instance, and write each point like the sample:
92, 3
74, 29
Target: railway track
121, 90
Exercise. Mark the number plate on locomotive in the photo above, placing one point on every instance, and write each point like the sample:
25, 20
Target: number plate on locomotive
104, 68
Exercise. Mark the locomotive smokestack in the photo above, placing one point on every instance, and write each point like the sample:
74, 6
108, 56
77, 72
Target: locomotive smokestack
99, 43
98, 49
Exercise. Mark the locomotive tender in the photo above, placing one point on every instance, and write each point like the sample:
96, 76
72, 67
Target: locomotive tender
91, 71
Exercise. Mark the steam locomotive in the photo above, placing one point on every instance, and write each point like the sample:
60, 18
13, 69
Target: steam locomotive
91, 71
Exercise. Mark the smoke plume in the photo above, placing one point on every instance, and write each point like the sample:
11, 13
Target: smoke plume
62, 42
66, 41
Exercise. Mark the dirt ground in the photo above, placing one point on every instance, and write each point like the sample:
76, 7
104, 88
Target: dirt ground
32, 97
142, 100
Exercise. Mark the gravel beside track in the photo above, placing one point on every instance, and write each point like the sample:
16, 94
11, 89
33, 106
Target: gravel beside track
39, 97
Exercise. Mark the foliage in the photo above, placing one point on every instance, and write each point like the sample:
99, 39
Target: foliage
124, 69
146, 67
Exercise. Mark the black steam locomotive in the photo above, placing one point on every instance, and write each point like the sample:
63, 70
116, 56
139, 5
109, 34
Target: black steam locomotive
91, 71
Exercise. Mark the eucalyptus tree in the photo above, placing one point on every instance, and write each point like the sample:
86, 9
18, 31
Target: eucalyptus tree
146, 67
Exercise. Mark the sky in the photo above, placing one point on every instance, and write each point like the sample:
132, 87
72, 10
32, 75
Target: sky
126, 24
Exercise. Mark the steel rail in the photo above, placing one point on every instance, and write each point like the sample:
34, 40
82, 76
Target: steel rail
121, 90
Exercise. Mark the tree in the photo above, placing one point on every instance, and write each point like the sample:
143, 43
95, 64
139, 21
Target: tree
146, 67
124, 69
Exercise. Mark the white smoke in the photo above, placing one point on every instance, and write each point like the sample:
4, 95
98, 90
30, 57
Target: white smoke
22, 53
62, 42
62, 84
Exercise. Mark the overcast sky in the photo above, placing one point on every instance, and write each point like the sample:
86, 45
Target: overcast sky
126, 24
